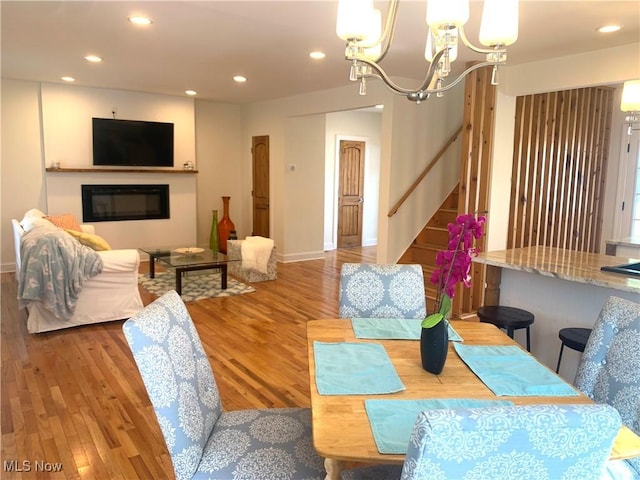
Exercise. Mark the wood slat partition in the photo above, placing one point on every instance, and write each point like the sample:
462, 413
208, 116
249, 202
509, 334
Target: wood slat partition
477, 146
559, 164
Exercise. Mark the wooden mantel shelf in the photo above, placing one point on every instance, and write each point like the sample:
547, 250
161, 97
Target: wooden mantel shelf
117, 170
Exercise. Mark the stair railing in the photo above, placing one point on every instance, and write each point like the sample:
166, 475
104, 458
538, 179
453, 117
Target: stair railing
424, 173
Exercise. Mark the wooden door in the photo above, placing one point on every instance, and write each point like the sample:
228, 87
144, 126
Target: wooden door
350, 193
260, 191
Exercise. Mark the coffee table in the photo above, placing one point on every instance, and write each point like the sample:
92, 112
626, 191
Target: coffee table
186, 259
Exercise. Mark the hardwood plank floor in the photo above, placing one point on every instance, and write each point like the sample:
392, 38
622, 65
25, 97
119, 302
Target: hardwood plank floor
73, 399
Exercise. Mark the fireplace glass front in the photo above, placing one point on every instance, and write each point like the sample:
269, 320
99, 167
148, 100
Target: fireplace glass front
107, 203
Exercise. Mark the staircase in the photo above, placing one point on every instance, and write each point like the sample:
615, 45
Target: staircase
433, 237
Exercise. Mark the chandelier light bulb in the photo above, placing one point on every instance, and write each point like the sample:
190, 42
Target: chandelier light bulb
447, 12
372, 37
630, 96
354, 17
499, 25
438, 41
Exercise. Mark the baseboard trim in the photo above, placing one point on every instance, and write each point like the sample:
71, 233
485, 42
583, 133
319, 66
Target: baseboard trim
300, 257
8, 267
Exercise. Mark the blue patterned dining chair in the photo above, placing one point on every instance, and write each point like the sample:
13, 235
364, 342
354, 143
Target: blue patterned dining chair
381, 291
204, 441
609, 370
543, 442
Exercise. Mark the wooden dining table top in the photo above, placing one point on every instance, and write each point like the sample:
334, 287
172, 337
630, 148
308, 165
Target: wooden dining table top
341, 429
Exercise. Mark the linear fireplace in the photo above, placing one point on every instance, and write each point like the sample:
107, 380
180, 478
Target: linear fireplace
107, 203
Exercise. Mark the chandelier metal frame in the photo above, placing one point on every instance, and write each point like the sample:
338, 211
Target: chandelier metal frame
363, 67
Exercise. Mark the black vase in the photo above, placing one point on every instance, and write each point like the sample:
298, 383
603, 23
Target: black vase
434, 343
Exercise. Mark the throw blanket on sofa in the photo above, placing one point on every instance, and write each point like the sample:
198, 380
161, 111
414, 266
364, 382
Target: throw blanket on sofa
54, 268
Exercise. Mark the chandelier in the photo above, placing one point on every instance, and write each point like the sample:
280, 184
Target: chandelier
630, 103
360, 25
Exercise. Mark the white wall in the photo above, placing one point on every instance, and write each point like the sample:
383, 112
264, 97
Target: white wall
272, 118
66, 131
410, 136
358, 126
600, 67
22, 167
219, 153
63, 194
556, 304
417, 133
501, 166
303, 210
67, 112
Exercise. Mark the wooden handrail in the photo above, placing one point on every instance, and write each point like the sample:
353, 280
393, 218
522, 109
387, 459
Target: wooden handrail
415, 184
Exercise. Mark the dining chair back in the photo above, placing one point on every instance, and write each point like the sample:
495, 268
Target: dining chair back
508, 442
382, 291
544, 442
609, 370
203, 440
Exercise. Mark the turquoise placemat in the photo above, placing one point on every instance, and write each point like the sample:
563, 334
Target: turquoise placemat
349, 368
508, 370
393, 329
392, 420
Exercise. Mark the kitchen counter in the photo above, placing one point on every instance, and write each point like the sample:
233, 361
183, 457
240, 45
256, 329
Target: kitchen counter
562, 288
569, 265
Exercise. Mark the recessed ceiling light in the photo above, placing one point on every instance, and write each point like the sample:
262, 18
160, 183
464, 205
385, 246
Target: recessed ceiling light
239, 79
93, 58
609, 28
190, 92
138, 20
68, 79
379, 106
317, 55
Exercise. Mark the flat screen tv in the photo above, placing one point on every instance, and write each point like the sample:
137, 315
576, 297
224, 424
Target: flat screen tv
132, 143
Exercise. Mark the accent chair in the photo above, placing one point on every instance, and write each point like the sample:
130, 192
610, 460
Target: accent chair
609, 370
204, 441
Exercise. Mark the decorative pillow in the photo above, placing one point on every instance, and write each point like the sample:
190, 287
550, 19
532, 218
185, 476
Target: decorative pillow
28, 223
65, 221
31, 218
88, 239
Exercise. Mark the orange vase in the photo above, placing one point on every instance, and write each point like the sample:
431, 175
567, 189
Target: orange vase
225, 225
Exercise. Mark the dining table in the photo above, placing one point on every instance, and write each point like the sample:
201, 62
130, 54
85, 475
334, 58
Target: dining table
342, 430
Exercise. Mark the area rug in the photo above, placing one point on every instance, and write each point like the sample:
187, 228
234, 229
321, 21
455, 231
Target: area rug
195, 286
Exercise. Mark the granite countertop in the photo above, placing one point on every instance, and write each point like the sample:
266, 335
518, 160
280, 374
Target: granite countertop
569, 265
625, 242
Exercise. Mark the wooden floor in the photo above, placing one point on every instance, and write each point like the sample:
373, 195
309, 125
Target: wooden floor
73, 399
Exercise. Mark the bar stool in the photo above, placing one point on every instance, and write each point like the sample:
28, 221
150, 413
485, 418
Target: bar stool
508, 318
574, 338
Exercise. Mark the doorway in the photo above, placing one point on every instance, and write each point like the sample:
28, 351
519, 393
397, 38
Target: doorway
350, 193
260, 189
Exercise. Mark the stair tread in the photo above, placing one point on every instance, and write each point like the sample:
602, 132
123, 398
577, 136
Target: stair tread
436, 227
427, 246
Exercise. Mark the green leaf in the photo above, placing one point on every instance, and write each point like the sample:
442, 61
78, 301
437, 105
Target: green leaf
445, 305
432, 320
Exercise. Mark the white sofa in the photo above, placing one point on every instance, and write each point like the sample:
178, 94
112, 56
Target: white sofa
110, 295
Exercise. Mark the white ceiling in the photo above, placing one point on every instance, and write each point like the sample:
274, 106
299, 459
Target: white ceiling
202, 45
